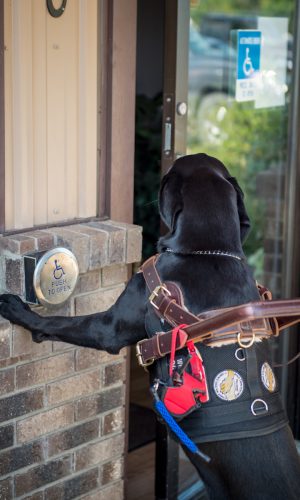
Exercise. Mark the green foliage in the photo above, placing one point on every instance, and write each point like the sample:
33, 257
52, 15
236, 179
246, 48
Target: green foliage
260, 7
254, 140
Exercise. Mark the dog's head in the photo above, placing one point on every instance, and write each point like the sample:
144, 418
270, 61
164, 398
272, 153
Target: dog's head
202, 206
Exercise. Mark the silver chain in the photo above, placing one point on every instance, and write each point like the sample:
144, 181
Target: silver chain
207, 252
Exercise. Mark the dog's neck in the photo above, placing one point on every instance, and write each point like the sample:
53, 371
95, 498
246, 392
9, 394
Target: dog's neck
218, 253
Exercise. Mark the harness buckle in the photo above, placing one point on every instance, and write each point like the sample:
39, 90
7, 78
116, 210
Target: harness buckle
156, 292
140, 358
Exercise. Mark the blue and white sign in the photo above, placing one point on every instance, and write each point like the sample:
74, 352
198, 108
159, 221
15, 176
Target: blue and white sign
248, 64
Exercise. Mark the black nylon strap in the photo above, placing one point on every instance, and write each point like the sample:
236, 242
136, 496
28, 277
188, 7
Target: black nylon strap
236, 412
253, 373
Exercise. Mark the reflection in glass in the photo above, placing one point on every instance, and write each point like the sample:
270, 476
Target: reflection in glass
249, 137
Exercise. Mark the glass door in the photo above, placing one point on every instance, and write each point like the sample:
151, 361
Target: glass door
240, 66
234, 102
242, 99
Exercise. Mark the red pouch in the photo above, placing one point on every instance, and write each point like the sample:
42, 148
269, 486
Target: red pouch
187, 394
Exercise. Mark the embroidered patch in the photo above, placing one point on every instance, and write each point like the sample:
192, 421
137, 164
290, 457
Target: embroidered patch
228, 385
268, 377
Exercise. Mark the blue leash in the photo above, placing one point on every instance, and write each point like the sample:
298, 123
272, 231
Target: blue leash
169, 420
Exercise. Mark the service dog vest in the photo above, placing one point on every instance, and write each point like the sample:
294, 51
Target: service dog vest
243, 401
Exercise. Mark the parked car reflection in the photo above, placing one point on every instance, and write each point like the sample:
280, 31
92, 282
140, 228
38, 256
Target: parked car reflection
212, 73
211, 61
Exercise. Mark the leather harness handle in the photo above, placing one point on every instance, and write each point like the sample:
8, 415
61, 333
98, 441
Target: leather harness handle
166, 298
220, 324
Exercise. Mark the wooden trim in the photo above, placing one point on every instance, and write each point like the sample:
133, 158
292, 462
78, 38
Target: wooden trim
69, 222
2, 126
105, 50
123, 110
177, 14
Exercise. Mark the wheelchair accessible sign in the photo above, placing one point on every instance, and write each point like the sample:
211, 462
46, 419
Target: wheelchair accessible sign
248, 64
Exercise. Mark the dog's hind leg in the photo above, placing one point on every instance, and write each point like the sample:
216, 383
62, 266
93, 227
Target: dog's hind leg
264, 467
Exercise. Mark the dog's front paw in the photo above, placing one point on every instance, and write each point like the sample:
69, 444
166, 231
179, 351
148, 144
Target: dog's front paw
38, 337
13, 308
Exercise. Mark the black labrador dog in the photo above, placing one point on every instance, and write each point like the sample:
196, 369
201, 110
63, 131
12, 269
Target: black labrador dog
202, 206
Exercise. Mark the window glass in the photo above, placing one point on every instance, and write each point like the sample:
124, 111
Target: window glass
240, 66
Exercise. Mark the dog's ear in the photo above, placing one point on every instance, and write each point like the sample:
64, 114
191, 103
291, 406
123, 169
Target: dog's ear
244, 219
170, 200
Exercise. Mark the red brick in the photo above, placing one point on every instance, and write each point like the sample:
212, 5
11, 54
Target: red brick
73, 387
113, 492
45, 370
75, 487
23, 344
6, 437
97, 301
21, 403
116, 243
60, 309
38, 495
114, 373
42, 239
111, 471
45, 422
73, 437
20, 457
102, 451
88, 282
98, 245
105, 401
5, 337
114, 275
87, 358
7, 381
41, 475
113, 422
6, 492
18, 244
14, 276
61, 346
134, 240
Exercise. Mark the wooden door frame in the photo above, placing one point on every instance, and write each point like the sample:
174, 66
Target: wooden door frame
174, 124
2, 119
174, 133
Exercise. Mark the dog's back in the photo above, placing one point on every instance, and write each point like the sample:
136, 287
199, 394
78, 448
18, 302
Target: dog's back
202, 206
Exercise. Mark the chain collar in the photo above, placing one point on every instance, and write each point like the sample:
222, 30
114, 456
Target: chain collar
207, 252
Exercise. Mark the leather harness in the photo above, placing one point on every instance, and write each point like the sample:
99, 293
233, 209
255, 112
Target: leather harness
243, 324
240, 362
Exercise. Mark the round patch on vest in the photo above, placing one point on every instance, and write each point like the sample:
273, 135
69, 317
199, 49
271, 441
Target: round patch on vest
228, 385
268, 377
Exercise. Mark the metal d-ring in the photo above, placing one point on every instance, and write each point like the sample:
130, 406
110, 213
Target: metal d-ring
260, 401
245, 345
237, 356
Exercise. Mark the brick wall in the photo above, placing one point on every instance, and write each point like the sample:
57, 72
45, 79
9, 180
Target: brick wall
62, 408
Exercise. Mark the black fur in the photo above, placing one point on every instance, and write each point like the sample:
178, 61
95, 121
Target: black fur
202, 206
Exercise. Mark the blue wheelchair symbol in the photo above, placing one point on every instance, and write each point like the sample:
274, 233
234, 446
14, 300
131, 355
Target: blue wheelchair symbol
58, 271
